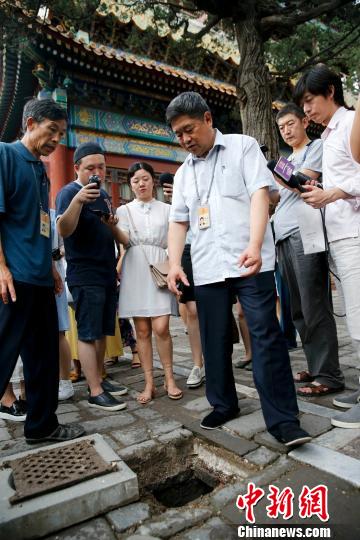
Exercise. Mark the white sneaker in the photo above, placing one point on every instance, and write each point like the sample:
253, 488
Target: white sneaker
196, 377
66, 390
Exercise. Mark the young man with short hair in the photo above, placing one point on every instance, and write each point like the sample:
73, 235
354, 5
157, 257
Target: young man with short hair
320, 93
221, 192
306, 275
28, 317
87, 225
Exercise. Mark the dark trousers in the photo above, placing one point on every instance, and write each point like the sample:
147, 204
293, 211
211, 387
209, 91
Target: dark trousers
30, 326
271, 363
286, 323
306, 276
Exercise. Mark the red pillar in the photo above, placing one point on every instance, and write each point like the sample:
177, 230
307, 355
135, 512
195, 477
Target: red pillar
60, 170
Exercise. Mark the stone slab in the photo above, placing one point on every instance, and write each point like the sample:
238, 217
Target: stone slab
214, 528
313, 408
247, 390
173, 521
57, 510
4, 434
228, 494
132, 435
66, 407
315, 425
352, 449
246, 426
95, 528
330, 461
199, 405
261, 457
128, 516
105, 423
336, 438
266, 439
233, 443
161, 426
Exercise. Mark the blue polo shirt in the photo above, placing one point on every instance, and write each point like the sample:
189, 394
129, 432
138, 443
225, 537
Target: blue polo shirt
90, 249
22, 183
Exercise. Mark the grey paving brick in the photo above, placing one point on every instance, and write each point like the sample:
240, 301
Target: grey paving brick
214, 528
132, 435
337, 438
95, 528
128, 516
163, 425
69, 417
313, 408
330, 461
137, 449
4, 434
228, 494
266, 439
146, 413
199, 404
352, 449
233, 443
66, 407
315, 425
246, 426
173, 437
174, 521
108, 422
261, 457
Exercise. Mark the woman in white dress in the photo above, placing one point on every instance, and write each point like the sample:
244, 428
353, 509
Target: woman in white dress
144, 222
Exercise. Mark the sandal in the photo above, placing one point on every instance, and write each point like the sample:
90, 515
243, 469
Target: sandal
146, 397
303, 376
135, 362
318, 390
177, 395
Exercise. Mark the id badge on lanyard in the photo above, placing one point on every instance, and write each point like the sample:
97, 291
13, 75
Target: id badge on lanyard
44, 223
203, 210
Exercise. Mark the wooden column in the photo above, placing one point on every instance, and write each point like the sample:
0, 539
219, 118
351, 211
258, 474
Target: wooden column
60, 170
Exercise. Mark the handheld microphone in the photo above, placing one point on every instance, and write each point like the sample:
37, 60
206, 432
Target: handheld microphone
295, 181
166, 178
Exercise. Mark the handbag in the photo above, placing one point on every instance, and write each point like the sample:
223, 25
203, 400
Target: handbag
159, 271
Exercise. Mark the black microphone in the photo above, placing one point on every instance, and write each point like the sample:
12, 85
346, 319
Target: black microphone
166, 178
296, 180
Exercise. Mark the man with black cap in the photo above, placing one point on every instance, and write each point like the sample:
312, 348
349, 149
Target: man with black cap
86, 222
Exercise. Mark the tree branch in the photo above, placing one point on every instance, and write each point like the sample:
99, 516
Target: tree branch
213, 22
319, 55
281, 24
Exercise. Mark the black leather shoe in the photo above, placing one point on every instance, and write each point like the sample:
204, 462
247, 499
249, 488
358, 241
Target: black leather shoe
216, 419
15, 413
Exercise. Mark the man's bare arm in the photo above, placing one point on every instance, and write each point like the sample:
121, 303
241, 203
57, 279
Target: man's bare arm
6, 280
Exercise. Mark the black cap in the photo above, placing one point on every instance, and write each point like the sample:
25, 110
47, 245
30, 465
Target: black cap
87, 149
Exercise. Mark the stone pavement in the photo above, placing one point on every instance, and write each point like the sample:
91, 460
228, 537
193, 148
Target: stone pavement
164, 438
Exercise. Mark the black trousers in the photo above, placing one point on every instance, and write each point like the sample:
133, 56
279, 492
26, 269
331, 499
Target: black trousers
271, 363
30, 326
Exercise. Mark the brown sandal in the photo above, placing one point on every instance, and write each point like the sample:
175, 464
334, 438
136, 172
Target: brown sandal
135, 362
318, 390
303, 377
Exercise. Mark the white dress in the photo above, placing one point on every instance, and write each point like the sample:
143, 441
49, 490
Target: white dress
139, 296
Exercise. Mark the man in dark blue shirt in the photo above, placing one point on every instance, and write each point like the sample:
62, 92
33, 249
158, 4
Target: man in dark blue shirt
28, 317
87, 224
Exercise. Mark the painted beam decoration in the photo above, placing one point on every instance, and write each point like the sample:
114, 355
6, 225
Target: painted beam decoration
118, 144
110, 122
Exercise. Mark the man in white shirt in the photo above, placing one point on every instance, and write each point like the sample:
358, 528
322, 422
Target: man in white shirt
320, 93
305, 275
222, 193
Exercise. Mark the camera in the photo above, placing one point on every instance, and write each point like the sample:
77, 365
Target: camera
56, 254
94, 179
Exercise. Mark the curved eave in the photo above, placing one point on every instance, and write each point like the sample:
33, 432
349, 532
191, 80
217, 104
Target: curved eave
17, 86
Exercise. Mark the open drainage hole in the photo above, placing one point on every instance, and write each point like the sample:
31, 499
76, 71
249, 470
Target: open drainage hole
183, 488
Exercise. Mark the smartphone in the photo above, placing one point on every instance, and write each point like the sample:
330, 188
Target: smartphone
94, 179
101, 214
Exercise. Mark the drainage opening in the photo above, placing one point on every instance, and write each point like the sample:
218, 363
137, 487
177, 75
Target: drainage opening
183, 488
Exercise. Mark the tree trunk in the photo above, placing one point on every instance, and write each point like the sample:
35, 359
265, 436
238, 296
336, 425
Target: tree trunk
253, 87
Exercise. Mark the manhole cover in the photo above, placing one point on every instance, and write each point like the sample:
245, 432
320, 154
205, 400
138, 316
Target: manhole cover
50, 470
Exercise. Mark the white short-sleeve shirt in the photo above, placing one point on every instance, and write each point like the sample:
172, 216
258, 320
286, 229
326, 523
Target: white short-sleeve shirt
240, 171
342, 217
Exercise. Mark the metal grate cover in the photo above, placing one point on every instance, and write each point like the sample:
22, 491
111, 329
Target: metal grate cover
50, 470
